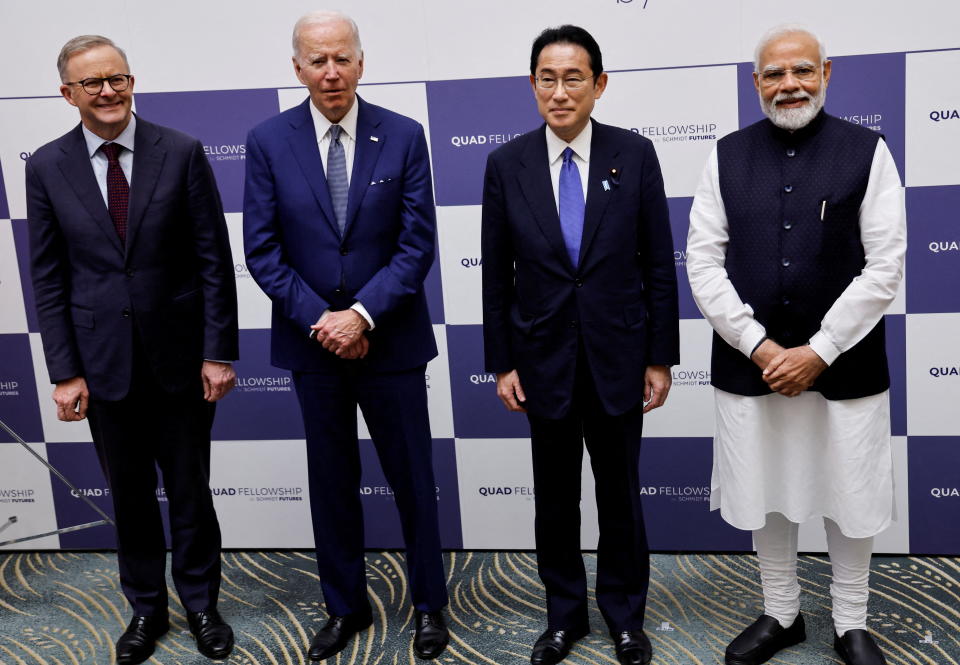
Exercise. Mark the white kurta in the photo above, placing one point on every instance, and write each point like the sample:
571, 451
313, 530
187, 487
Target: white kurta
804, 456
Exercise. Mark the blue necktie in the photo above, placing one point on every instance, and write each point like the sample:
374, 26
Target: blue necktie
337, 176
571, 206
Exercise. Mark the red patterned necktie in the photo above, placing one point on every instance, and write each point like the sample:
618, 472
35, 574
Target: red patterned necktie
118, 191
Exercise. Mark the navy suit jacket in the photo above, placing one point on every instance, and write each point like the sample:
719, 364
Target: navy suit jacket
173, 280
297, 255
620, 303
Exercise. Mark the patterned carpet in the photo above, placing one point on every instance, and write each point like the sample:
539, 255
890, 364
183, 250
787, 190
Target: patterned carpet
67, 609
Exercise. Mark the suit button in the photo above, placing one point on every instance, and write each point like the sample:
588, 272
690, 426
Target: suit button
784, 262
786, 301
788, 188
574, 323
338, 291
788, 225
129, 272
791, 152
125, 312
578, 283
343, 251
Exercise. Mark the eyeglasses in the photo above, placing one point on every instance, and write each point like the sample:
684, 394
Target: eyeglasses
93, 86
569, 82
771, 77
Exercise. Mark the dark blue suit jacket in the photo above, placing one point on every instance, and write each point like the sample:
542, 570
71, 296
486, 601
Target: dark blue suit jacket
620, 303
173, 280
297, 255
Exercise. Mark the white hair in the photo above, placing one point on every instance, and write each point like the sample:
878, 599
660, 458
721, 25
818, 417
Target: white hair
85, 43
782, 31
319, 17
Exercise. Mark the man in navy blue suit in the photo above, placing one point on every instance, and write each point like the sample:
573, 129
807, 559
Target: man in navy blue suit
339, 227
580, 325
137, 307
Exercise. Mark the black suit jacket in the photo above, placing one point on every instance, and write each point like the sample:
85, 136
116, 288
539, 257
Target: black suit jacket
620, 303
172, 283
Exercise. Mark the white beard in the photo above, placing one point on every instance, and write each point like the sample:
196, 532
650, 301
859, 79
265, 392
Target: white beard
796, 118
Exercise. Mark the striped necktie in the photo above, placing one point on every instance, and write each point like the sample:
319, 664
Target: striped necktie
337, 176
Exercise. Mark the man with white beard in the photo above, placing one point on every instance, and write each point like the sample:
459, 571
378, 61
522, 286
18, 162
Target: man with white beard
796, 246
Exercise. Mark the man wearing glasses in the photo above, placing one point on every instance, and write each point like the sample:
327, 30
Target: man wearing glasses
796, 247
580, 325
137, 308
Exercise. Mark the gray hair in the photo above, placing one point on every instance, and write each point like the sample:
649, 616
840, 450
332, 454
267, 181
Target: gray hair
324, 16
782, 31
85, 43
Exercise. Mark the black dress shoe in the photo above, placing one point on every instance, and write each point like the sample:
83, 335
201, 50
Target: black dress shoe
633, 647
431, 636
137, 642
554, 645
857, 647
214, 635
762, 639
333, 637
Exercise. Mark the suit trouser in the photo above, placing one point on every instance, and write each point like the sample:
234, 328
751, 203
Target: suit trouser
394, 406
623, 560
152, 428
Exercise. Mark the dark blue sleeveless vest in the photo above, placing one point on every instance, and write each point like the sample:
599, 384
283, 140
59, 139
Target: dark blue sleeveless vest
784, 261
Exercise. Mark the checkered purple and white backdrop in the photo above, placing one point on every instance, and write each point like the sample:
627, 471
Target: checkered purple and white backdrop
679, 74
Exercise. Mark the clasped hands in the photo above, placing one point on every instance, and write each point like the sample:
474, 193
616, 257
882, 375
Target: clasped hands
788, 371
342, 333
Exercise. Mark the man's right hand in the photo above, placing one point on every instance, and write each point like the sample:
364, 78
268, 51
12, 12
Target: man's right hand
72, 398
510, 392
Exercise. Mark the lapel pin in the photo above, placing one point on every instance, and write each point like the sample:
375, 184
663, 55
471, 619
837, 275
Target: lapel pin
374, 139
615, 176
606, 185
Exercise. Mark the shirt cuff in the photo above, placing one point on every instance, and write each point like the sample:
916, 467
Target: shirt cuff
225, 362
824, 348
750, 338
362, 311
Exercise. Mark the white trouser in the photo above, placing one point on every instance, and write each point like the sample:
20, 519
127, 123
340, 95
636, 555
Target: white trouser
776, 544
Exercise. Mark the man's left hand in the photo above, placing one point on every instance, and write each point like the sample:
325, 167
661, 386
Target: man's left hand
656, 385
794, 370
340, 329
218, 379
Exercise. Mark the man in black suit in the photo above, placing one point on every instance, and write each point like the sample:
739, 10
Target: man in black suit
137, 307
580, 326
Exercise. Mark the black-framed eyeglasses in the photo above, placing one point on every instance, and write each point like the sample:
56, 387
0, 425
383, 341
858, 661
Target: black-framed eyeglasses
93, 86
569, 82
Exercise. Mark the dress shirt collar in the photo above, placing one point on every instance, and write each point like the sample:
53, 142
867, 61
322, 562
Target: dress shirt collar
580, 144
348, 123
126, 138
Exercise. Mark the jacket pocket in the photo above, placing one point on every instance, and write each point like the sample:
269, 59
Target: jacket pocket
82, 317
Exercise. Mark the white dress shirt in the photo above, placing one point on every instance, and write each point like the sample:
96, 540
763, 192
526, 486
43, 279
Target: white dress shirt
803, 456
581, 157
348, 135
99, 161
348, 139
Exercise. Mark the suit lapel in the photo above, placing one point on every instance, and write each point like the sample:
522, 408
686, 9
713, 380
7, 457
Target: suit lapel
603, 156
537, 188
303, 144
365, 156
148, 158
77, 170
